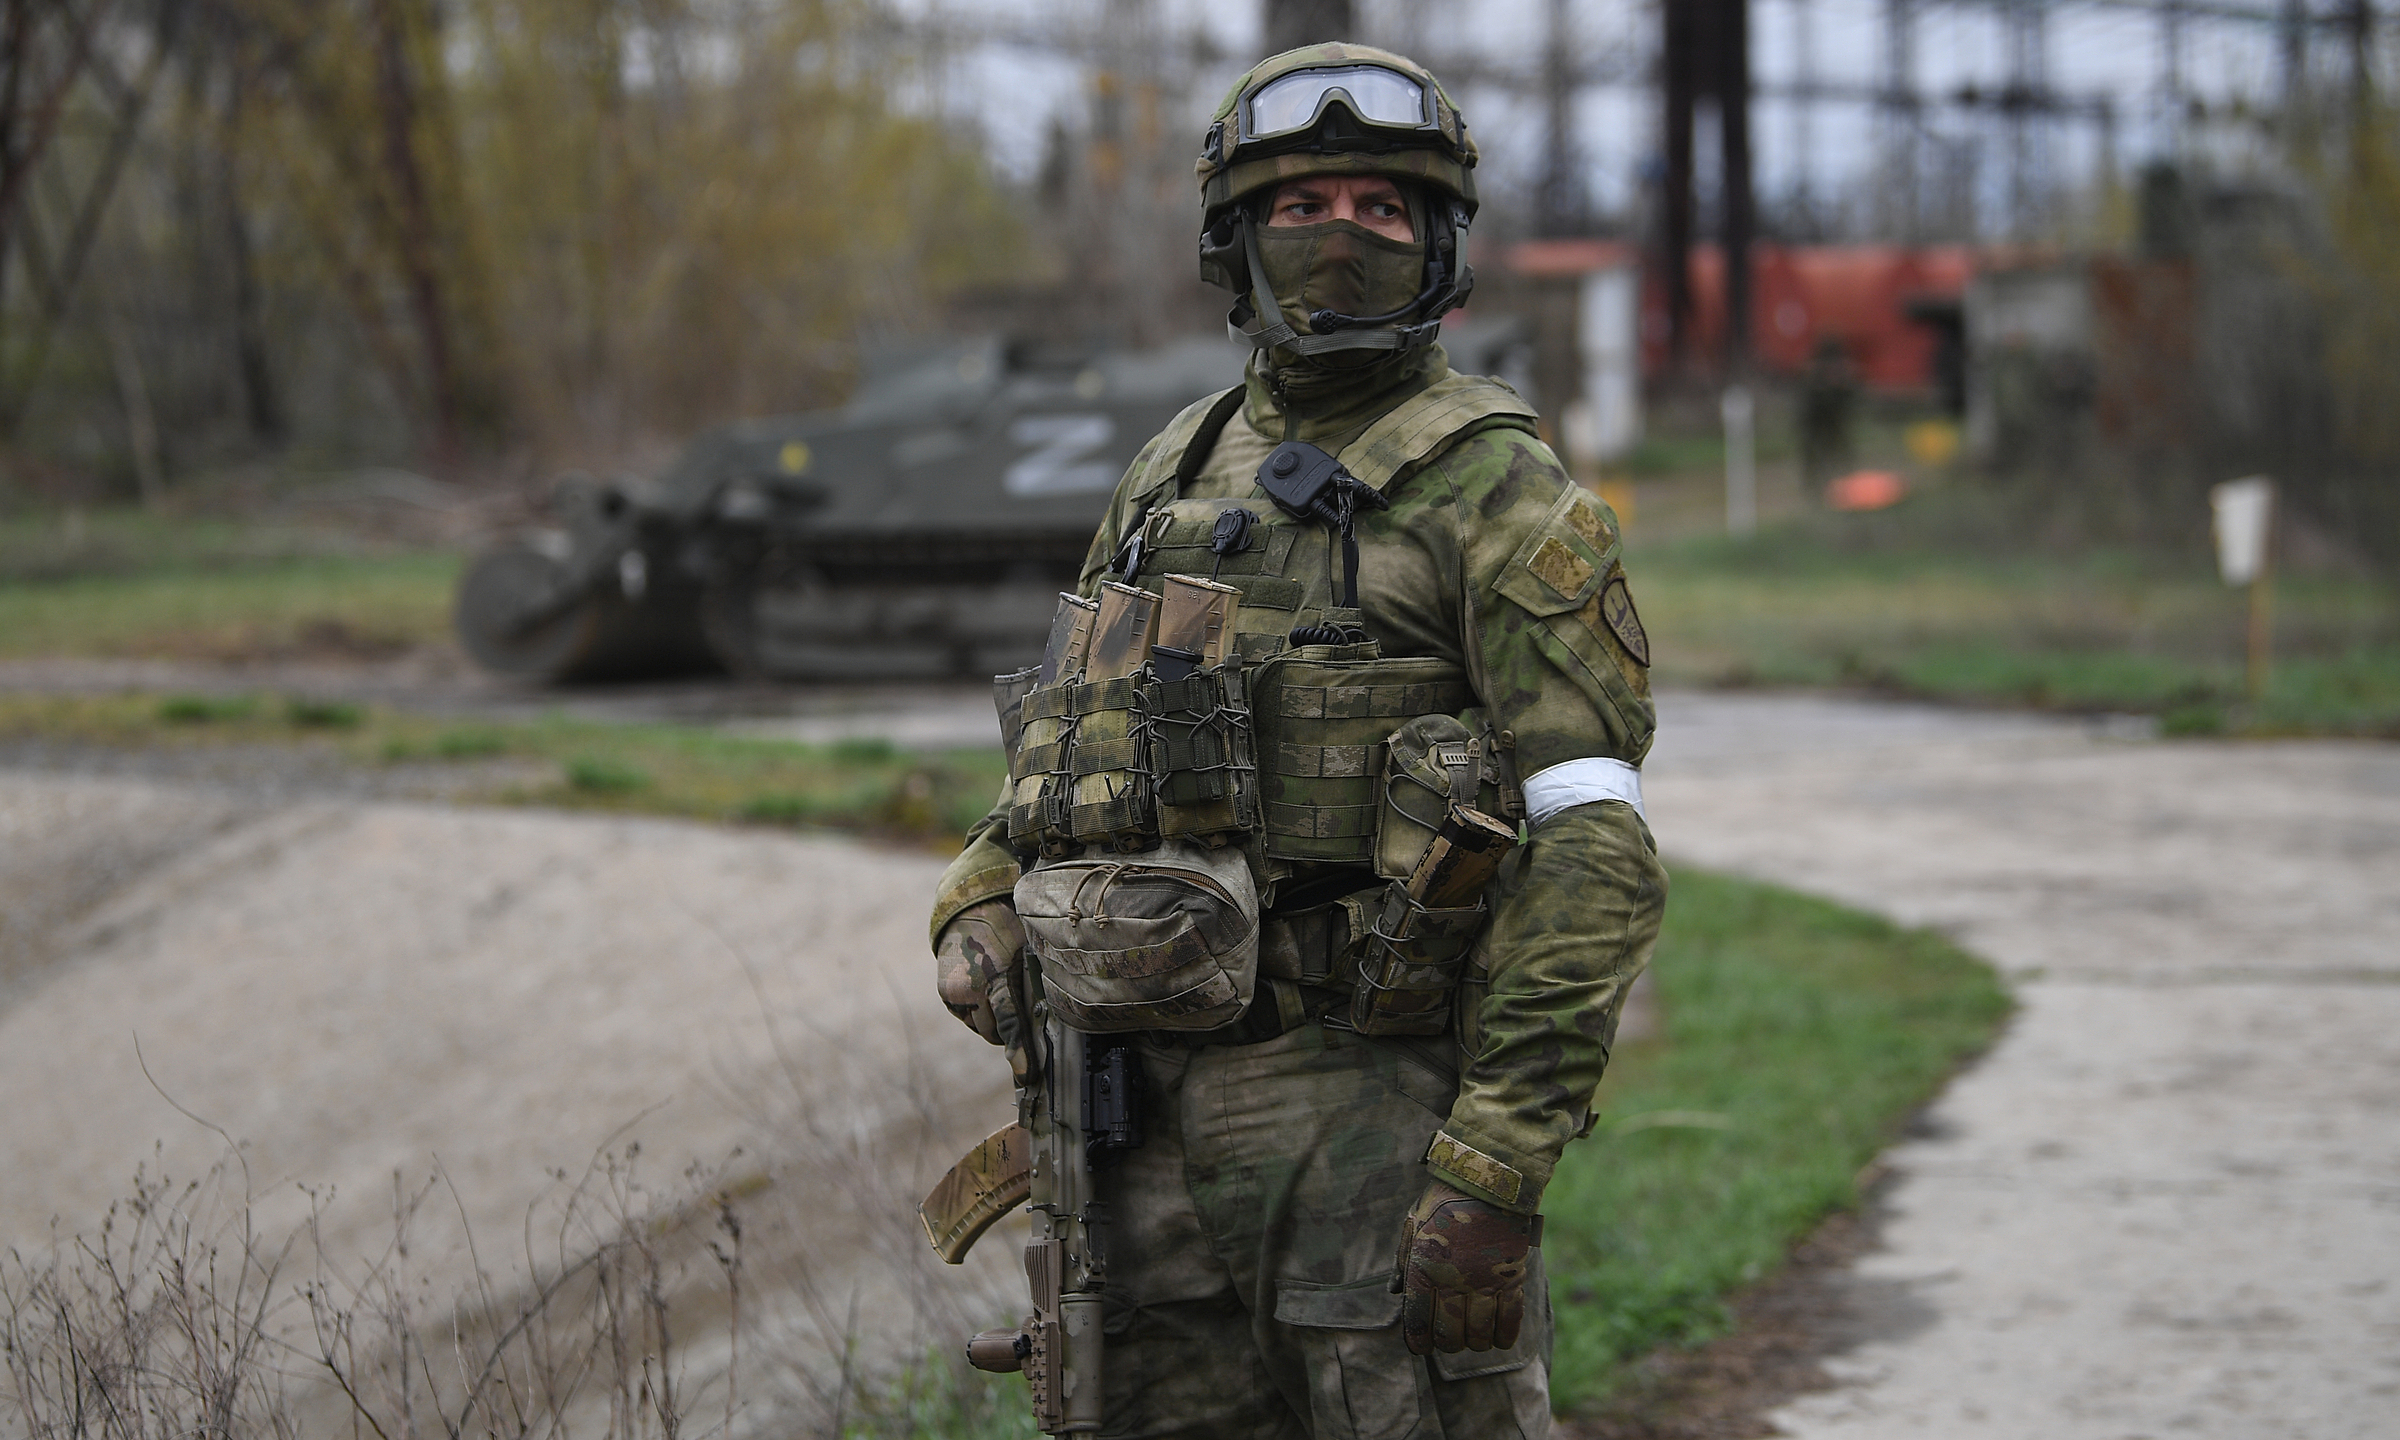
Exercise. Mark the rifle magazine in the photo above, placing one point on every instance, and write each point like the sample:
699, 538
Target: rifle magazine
991, 1180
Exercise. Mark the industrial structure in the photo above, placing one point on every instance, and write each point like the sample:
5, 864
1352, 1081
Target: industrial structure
1982, 121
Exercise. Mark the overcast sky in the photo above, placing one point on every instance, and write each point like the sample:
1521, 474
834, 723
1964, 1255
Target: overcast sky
1013, 89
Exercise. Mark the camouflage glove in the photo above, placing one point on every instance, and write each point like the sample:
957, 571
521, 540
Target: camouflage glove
977, 960
1462, 1272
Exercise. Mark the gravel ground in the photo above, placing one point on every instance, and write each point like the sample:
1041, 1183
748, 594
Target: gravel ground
2168, 1202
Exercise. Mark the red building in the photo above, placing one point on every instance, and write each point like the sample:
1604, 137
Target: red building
1876, 299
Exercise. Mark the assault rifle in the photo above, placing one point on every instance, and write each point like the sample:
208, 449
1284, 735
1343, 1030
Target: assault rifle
1081, 1105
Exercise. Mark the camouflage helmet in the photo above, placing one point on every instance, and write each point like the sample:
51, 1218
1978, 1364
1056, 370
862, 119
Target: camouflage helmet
1334, 109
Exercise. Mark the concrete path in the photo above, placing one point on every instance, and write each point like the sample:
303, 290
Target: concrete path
2168, 1203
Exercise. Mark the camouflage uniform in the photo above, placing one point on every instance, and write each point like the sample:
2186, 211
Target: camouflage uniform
1255, 1242
1253, 1238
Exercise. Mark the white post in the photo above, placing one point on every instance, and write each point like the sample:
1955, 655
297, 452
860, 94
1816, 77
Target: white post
1741, 461
2245, 524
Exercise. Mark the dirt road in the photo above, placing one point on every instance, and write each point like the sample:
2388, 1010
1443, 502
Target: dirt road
365, 993
2168, 1202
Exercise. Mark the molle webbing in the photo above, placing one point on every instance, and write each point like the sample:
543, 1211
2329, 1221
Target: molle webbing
1322, 724
1359, 700
1327, 762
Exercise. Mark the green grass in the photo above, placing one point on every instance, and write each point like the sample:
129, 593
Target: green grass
206, 709
938, 1398
659, 769
1921, 605
323, 714
364, 607
607, 777
1951, 595
50, 544
1798, 1036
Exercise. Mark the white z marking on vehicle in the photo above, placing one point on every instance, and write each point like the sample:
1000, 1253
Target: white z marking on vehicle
1058, 463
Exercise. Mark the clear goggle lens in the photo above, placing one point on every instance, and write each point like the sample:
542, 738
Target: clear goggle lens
1376, 95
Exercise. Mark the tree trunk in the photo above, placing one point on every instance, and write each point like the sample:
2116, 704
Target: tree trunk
68, 271
416, 242
141, 425
261, 406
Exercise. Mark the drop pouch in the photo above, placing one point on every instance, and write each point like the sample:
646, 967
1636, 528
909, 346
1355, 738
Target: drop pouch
1162, 940
1440, 852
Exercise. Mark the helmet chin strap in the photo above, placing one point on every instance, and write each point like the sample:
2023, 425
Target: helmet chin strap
1336, 331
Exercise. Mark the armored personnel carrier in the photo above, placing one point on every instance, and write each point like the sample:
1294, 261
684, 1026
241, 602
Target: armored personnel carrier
923, 530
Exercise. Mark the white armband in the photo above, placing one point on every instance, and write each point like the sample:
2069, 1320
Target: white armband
1580, 782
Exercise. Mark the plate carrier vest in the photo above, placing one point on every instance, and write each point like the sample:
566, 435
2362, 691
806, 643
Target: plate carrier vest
1299, 754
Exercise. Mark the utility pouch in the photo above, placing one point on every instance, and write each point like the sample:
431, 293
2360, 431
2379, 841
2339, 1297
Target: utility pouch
1167, 940
1439, 851
1324, 715
1414, 956
1081, 775
1110, 802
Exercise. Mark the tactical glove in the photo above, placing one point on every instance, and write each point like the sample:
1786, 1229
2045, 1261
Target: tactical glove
1462, 1272
977, 960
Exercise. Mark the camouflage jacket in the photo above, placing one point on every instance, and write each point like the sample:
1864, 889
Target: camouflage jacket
1489, 557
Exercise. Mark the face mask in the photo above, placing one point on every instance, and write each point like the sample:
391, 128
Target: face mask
1338, 265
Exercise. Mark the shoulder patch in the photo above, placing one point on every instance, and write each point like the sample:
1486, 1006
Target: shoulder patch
1616, 608
1584, 516
1561, 568
1555, 569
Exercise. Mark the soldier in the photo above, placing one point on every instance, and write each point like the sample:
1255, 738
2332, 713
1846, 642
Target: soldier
1828, 396
1331, 1233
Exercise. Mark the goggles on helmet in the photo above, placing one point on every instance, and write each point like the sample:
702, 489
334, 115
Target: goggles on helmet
1379, 97
1336, 109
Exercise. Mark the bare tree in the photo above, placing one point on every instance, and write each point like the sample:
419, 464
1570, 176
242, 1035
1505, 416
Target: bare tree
70, 39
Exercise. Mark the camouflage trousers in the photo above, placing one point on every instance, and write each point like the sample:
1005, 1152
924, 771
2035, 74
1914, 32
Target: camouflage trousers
1251, 1250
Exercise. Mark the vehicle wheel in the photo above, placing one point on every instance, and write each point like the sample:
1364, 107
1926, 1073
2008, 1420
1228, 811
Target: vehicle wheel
729, 621
500, 586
